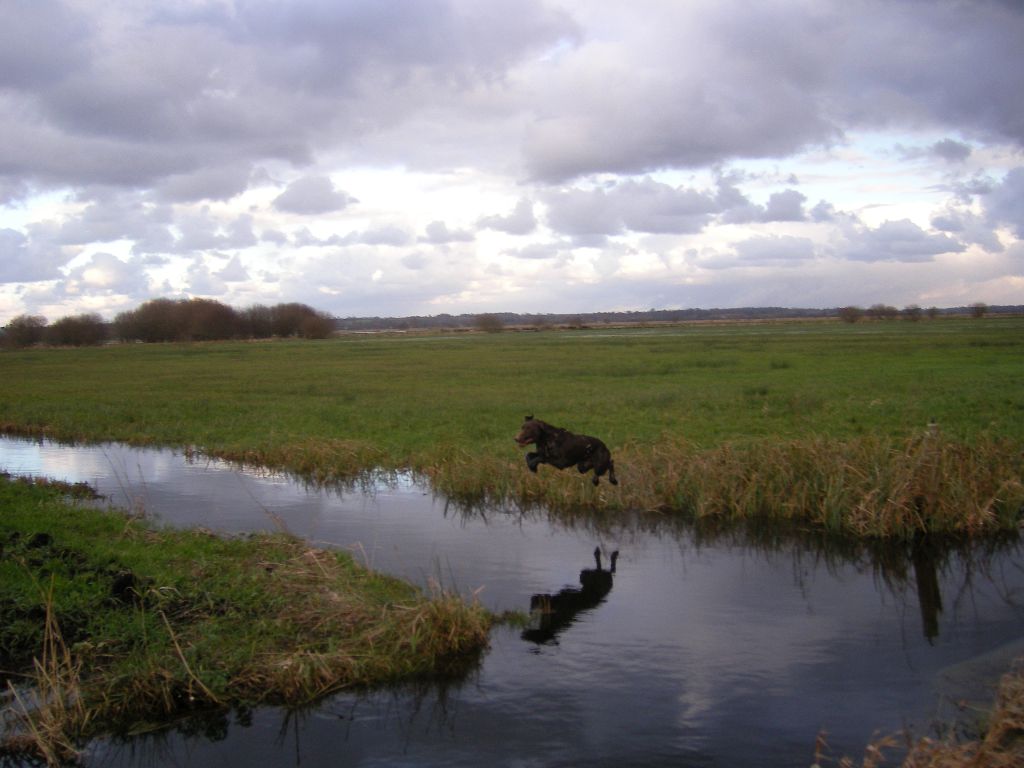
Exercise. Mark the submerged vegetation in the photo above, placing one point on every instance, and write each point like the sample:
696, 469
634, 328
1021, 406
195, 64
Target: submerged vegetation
879, 428
124, 625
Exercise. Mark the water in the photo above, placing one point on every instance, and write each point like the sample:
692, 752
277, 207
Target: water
702, 648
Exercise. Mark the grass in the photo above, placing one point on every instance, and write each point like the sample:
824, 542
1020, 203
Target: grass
701, 419
123, 625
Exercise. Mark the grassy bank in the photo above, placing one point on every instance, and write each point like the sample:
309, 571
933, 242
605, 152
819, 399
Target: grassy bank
125, 625
819, 422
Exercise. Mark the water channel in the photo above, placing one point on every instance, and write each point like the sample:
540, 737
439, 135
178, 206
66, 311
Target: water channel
703, 648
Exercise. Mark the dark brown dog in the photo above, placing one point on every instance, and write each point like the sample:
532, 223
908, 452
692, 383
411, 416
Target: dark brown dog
561, 448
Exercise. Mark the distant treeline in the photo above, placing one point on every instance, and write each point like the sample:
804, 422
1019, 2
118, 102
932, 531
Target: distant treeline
499, 320
172, 320
209, 320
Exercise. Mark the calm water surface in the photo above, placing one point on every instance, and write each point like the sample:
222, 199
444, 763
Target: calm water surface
702, 649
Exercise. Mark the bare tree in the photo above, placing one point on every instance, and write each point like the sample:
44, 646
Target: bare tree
24, 331
851, 314
912, 312
489, 323
77, 331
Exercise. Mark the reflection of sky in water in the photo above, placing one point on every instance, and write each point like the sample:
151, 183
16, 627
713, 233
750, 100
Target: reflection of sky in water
711, 653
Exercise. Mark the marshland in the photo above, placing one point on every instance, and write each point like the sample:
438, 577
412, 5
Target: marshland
877, 441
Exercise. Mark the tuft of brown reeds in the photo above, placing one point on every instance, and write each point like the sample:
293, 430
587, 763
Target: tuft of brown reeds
50, 716
1001, 745
868, 486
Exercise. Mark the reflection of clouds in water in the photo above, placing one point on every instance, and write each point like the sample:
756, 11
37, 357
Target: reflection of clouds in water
90, 464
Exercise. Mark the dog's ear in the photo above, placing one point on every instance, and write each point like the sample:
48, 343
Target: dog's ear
528, 418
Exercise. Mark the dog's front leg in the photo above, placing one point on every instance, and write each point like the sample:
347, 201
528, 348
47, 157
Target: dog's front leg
532, 460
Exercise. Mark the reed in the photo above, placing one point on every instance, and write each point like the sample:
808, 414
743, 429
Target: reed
50, 716
869, 486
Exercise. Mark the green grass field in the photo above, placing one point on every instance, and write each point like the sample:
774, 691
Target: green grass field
449, 404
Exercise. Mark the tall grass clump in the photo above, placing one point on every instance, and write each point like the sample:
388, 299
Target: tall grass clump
48, 716
869, 486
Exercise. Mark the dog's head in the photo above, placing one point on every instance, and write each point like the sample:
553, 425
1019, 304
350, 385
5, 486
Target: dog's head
530, 431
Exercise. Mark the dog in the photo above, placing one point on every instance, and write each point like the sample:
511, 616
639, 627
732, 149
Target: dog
561, 448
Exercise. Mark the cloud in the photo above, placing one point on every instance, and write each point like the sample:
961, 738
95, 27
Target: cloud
437, 233
105, 274
110, 216
520, 222
311, 196
536, 251
1004, 203
967, 227
24, 261
221, 182
637, 205
951, 151
775, 250
40, 43
234, 271
382, 234
785, 206
134, 94
782, 80
898, 241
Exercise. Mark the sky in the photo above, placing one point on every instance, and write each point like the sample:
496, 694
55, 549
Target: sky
420, 157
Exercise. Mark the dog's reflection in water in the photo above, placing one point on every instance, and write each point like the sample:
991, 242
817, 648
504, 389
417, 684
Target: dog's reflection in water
551, 614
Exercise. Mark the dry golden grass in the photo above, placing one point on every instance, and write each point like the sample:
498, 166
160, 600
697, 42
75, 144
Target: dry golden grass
1001, 746
868, 486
